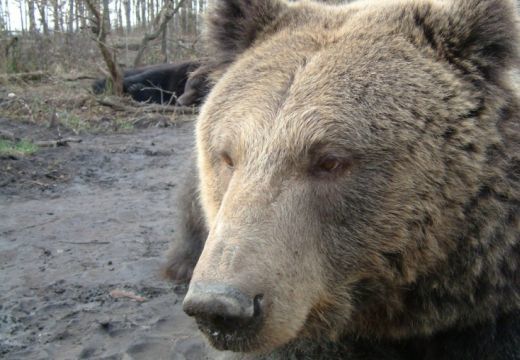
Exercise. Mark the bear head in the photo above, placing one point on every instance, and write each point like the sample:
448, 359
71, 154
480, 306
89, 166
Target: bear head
355, 168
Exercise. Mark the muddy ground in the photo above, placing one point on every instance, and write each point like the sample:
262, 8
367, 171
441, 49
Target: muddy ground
80, 221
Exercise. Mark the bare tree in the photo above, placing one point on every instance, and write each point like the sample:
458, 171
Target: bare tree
108, 55
128, 14
143, 12
76, 14
137, 13
80, 15
199, 14
70, 22
159, 24
20, 7
164, 45
106, 15
41, 5
32, 18
183, 18
189, 14
7, 15
119, 10
2, 17
56, 15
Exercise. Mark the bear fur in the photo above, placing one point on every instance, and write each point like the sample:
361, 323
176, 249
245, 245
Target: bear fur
359, 172
160, 84
197, 87
200, 83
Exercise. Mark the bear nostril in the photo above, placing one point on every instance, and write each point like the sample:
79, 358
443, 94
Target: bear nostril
221, 308
257, 304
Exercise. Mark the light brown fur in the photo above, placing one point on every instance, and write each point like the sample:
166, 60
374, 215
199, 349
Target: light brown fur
418, 231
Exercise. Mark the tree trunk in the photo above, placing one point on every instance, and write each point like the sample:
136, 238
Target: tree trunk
82, 14
137, 13
7, 16
151, 11
56, 15
32, 18
70, 22
183, 17
143, 13
106, 15
191, 17
20, 6
108, 55
76, 15
128, 14
43, 16
3, 25
61, 15
175, 28
164, 45
202, 7
119, 15
160, 22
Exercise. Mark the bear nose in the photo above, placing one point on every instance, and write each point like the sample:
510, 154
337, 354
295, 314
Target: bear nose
221, 308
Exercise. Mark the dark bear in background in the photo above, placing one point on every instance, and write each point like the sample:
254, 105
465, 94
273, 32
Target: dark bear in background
160, 84
100, 85
196, 89
200, 83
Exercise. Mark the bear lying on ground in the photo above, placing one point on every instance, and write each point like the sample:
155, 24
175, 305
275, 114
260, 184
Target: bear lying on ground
160, 84
197, 87
200, 83
100, 85
358, 171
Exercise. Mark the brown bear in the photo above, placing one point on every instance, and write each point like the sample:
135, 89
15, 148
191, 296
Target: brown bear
359, 180
160, 84
197, 87
200, 82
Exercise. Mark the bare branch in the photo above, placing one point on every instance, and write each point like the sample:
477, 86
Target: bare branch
160, 22
108, 55
118, 105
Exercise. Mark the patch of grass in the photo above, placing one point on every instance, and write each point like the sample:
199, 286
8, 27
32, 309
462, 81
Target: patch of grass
17, 148
123, 124
73, 122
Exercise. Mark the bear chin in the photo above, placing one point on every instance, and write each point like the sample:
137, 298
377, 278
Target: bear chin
226, 337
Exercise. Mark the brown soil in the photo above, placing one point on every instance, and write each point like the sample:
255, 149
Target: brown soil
80, 221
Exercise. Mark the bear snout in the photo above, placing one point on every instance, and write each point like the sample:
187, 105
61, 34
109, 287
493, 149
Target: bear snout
223, 312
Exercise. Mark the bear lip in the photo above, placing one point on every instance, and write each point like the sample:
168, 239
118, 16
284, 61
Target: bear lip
226, 334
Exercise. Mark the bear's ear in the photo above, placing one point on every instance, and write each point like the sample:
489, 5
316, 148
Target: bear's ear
475, 35
233, 25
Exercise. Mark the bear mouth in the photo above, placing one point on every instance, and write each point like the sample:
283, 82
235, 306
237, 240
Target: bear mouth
230, 334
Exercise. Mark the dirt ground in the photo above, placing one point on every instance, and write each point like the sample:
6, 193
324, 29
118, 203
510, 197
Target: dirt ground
77, 223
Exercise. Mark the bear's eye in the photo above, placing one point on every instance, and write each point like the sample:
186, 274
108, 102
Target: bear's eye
227, 160
330, 164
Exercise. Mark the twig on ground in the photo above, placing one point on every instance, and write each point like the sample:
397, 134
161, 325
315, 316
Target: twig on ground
116, 294
40, 184
56, 143
78, 77
7, 135
86, 242
30, 226
24, 77
147, 108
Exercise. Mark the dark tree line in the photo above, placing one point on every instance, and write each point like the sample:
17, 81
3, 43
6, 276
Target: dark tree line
68, 16
57, 35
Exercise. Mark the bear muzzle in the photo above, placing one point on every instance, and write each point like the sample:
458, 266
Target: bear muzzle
227, 316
